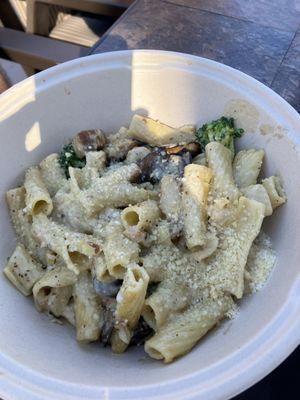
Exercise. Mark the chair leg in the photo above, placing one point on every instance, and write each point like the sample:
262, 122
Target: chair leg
4, 84
29, 70
14, 72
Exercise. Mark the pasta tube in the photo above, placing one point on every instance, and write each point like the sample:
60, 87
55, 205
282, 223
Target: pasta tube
196, 185
225, 271
168, 298
184, 330
275, 191
22, 223
76, 249
54, 290
194, 222
219, 160
246, 167
157, 134
196, 182
22, 270
87, 309
37, 197
52, 174
170, 198
99, 196
119, 252
141, 216
259, 193
130, 301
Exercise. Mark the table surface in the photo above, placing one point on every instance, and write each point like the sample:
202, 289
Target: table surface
258, 37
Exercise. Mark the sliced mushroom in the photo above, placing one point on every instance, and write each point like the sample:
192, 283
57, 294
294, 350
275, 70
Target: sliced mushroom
177, 163
109, 308
107, 289
152, 286
141, 333
158, 163
152, 166
90, 140
192, 148
136, 154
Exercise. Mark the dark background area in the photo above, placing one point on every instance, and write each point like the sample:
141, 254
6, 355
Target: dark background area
282, 384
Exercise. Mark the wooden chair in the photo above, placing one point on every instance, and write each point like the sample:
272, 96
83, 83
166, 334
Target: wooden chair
56, 19
55, 31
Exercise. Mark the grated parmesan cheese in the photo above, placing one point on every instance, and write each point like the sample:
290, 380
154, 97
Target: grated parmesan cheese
260, 263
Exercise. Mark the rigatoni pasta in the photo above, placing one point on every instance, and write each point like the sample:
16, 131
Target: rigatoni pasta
148, 130
246, 167
170, 198
53, 291
37, 198
87, 308
141, 216
22, 222
22, 270
130, 301
146, 236
120, 252
168, 298
196, 185
275, 191
76, 249
52, 174
219, 160
180, 334
260, 194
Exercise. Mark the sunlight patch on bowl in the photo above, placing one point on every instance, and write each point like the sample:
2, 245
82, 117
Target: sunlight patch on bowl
33, 137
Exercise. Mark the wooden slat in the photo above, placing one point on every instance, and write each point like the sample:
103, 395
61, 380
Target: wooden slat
20, 9
8, 16
38, 10
112, 8
80, 30
36, 51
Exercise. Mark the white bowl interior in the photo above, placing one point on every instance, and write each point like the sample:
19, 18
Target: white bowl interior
41, 114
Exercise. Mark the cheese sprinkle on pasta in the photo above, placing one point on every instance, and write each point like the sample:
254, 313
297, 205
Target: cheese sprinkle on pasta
148, 237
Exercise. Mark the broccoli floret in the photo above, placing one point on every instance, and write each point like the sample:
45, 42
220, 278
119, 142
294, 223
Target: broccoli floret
222, 130
68, 158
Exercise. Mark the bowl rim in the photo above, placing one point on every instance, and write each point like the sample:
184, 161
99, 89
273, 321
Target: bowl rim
267, 349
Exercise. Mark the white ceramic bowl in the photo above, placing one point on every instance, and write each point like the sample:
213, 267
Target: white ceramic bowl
40, 359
